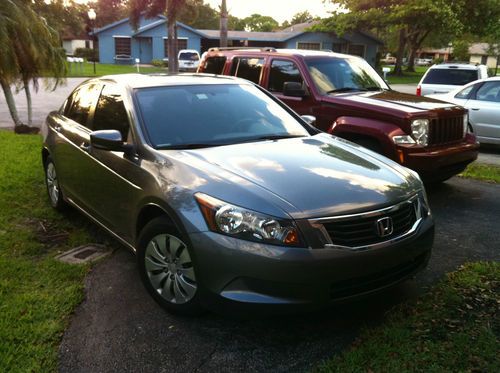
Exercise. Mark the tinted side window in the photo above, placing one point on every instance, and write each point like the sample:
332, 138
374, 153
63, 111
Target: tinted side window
214, 65
489, 91
450, 76
247, 68
81, 102
281, 72
110, 113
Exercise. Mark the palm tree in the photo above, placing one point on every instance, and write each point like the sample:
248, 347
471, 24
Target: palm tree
223, 24
152, 8
29, 47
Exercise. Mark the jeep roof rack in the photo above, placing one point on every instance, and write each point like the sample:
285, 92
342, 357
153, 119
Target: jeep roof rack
261, 49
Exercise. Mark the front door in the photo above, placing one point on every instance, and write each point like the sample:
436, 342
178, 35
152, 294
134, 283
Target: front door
145, 50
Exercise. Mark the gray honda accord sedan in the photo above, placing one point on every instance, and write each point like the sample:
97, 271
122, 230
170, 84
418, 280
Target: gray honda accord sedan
227, 196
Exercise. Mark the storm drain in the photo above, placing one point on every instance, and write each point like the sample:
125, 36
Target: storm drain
84, 254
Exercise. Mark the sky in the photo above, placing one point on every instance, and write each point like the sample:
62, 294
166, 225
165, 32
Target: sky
280, 10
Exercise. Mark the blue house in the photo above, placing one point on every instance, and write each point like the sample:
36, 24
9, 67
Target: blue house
118, 42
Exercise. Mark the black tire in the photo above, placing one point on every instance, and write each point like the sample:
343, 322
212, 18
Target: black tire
168, 274
54, 192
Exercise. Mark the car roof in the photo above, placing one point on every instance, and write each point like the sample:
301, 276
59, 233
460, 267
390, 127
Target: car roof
463, 66
158, 80
278, 52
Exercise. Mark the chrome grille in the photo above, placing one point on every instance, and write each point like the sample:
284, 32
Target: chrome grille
446, 130
361, 229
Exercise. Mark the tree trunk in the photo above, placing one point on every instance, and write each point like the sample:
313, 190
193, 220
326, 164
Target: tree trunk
28, 101
171, 45
411, 60
11, 103
398, 69
223, 24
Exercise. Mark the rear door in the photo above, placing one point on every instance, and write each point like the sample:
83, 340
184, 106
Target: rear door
484, 110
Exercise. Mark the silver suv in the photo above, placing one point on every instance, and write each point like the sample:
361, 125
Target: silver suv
445, 77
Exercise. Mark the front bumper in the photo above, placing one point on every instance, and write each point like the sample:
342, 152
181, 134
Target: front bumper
439, 162
251, 273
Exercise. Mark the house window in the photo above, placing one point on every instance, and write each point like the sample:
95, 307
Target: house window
181, 44
310, 46
122, 46
337, 47
356, 50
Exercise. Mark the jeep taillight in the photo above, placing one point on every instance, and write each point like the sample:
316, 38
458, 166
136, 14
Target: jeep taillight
419, 90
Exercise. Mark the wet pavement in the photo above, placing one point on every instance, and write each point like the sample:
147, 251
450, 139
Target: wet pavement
120, 328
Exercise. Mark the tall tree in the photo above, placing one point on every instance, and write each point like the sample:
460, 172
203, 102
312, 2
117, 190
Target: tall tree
172, 10
258, 22
29, 47
414, 20
223, 24
301, 17
109, 11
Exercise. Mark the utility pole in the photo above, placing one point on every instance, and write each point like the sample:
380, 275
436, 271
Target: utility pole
223, 24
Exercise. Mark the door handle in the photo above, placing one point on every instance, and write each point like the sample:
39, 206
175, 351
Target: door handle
85, 147
474, 108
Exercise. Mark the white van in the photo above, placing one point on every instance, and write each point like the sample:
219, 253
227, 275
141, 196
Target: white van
189, 59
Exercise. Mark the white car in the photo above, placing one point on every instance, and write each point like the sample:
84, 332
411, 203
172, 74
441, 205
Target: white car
445, 77
189, 59
482, 98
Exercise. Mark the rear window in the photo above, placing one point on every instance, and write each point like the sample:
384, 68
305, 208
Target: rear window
450, 76
247, 68
189, 56
214, 65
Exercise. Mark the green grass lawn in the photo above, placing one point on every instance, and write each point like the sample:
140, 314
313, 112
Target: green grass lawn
109, 69
453, 328
37, 293
483, 172
407, 78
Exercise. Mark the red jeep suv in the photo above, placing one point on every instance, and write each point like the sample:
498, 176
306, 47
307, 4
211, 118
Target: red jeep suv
348, 98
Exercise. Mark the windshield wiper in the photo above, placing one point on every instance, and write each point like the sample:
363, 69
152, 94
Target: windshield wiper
275, 137
344, 89
188, 146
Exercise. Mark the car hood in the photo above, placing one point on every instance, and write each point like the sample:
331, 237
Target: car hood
391, 101
313, 176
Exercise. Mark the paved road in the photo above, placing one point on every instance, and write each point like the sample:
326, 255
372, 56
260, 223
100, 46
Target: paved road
43, 103
119, 328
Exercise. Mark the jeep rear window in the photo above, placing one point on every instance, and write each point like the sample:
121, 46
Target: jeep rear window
188, 56
247, 68
214, 65
450, 76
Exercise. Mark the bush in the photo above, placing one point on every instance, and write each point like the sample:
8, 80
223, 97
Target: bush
87, 53
157, 63
438, 60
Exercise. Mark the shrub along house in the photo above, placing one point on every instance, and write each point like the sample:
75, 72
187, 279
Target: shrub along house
120, 43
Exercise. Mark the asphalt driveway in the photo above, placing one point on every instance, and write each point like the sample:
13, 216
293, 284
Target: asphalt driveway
120, 328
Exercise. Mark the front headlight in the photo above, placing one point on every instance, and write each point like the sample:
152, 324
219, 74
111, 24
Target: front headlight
239, 222
420, 131
424, 207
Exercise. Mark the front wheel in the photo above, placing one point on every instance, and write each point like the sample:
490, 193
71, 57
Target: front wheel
52, 183
167, 269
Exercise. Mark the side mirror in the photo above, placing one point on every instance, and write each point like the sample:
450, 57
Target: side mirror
294, 89
108, 140
309, 119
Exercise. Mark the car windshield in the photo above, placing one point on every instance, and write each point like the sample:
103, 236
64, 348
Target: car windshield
336, 75
450, 76
197, 116
188, 56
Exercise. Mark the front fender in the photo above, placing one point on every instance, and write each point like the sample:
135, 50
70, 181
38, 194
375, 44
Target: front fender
352, 128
